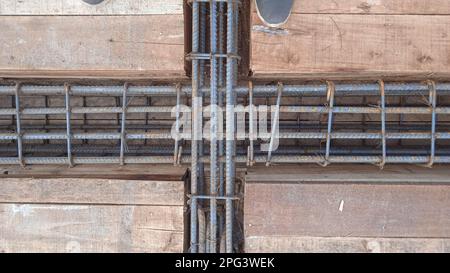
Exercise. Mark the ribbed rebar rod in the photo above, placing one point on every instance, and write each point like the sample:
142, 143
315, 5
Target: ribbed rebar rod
433, 102
251, 130
283, 109
342, 89
213, 197
68, 126
214, 120
330, 106
177, 128
294, 159
195, 127
221, 83
202, 44
123, 137
282, 135
202, 83
274, 130
230, 123
383, 124
167, 150
18, 125
201, 230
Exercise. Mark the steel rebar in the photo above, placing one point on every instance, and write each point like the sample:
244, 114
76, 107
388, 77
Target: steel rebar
196, 127
341, 89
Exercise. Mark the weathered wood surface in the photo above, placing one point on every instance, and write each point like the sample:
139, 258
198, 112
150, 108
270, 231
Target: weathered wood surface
78, 7
343, 43
91, 191
82, 228
373, 6
92, 208
158, 172
150, 46
347, 174
293, 208
280, 244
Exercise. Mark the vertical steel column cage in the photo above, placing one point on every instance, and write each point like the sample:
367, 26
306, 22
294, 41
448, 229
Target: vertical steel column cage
219, 76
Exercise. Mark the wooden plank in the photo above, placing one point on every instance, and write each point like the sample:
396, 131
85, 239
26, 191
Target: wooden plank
348, 174
343, 44
150, 45
271, 244
75, 228
159, 172
78, 7
343, 210
372, 6
91, 191
134, 75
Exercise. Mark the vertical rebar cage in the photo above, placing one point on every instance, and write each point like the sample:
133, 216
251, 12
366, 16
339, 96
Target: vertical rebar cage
222, 57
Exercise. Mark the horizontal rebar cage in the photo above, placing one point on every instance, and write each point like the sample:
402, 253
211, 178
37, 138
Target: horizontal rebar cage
377, 123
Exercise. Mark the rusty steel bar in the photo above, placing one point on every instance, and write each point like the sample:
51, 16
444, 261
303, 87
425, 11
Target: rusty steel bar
230, 121
68, 126
288, 159
214, 121
383, 124
195, 127
433, 102
18, 125
341, 89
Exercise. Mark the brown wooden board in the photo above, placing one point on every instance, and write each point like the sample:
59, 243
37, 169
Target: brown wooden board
78, 46
280, 244
93, 209
431, 7
352, 44
91, 191
308, 201
159, 172
89, 228
336, 173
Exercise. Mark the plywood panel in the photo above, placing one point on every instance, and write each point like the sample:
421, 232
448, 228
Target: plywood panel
78, 7
347, 174
342, 43
345, 245
92, 209
91, 191
75, 228
148, 45
280, 208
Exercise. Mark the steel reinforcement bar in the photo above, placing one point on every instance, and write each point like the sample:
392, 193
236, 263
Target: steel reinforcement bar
289, 90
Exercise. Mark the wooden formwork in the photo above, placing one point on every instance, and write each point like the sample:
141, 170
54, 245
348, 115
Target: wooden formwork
352, 38
93, 209
347, 208
71, 39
